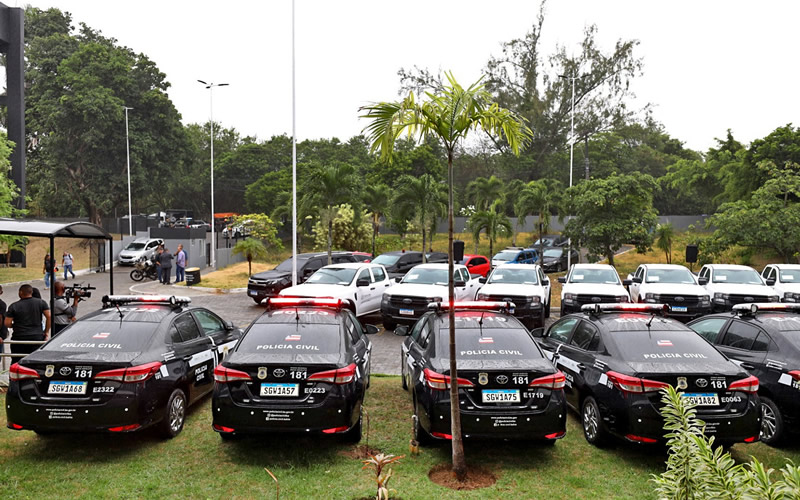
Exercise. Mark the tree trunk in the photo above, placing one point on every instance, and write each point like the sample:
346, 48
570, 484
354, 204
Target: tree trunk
424, 258
249, 265
513, 238
586, 157
374, 234
610, 257
330, 238
459, 460
491, 247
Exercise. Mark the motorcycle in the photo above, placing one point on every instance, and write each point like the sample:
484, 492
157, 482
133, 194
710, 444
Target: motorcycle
145, 268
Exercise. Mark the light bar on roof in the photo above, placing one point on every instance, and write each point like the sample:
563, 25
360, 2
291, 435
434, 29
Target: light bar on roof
625, 307
278, 302
765, 306
146, 299
474, 304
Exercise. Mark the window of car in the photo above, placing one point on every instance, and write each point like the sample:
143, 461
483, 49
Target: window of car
639, 272
704, 272
187, 327
741, 335
312, 265
586, 337
378, 274
416, 331
364, 275
209, 322
339, 259
462, 274
560, 330
477, 261
709, 328
352, 332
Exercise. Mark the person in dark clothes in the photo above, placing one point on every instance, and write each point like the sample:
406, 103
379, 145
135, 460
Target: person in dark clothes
49, 271
157, 261
25, 318
63, 312
166, 266
3, 329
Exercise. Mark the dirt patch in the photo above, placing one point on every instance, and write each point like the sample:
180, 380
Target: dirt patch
361, 452
477, 477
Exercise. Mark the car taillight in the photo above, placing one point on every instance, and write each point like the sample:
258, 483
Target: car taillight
749, 384
18, 372
554, 381
124, 428
640, 439
795, 374
223, 375
133, 374
626, 383
222, 428
335, 430
339, 376
440, 382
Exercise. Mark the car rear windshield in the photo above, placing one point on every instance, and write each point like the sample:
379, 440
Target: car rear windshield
669, 276
426, 276
291, 338
103, 336
659, 346
333, 276
489, 344
135, 246
604, 276
386, 260
521, 276
738, 276
506, 256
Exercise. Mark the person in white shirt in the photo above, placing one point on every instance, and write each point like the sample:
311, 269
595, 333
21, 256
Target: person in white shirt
66, 262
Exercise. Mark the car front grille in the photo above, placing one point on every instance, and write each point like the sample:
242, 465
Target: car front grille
596, 299
736, 298
404, 301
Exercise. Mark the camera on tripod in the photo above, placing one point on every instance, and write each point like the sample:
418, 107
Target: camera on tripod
78, 290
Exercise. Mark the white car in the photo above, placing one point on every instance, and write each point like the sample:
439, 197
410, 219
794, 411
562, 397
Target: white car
670, 284
731, 284
784, 279
523, 284
406, 301
140, 248
591, 284
359, 284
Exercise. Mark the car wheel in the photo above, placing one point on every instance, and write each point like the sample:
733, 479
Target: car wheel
593, 429
421, 436
175, 415
547, 307
404, 382
257, 300
353, 435
771, 422
389, 324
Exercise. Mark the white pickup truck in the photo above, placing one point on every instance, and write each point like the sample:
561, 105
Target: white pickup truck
406, 301
523, 284
359, 284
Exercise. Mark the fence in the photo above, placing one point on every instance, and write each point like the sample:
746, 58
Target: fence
6, 358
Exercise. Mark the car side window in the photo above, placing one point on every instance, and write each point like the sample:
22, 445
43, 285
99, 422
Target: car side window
174, 335
414, 259
378, 273
416, 330
740, 335
761, 343
561, 330
705, 273
187, 327
351, 329
364, 275
585, 337
639, 273
209, 322
425, 333
709, 328
312, 266
541, 275
772, 274
478, 261
766, 271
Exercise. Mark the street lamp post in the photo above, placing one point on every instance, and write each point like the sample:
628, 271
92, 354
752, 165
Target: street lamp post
571, 147
210, 87
128, 152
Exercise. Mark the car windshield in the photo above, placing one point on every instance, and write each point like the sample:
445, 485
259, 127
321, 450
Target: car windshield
386, 260
790, 275
605, 276
544, 242
669, 276
553, 252
738, 276
426, 276
515, 276
135, 245
286, 265
506, 256
333, 276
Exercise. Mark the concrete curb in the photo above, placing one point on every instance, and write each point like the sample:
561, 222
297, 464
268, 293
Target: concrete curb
59, 275
134, 288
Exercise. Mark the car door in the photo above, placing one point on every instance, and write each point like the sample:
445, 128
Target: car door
365, 293
413, 350
746, 343
467, 291
381, 282
545, 281
196, 352
636, 284
359, 344
213, 327
578, 357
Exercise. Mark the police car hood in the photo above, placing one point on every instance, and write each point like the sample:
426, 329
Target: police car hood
511, 289
316, 290
414, 290
442, 365
674, 289
594, 289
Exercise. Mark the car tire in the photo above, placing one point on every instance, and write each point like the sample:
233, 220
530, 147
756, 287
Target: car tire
257, 300
592, 423
772, 426
389, 324
175, 415
421, 436
137, 275
404, 382
353, 435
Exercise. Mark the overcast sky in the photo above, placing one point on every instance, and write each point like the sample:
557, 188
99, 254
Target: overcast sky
708, 65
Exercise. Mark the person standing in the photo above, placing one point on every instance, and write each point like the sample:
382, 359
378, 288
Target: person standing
63, 313
166, 266
25, 318
49, 270
66, 262
157, 260
3, 329
180, 265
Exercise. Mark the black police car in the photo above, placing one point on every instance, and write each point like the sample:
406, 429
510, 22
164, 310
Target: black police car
301, 366
617, 358
765, 340
139, 361
507, 387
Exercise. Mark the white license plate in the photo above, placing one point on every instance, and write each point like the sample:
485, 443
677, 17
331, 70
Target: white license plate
287, 390
500, 396
253, 292
702, 398
407, 312
680, 309
58, 387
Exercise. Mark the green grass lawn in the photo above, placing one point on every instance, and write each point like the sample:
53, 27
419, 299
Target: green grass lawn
197, 464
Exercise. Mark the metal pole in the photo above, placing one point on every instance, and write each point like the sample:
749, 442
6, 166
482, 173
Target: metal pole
294, 167
213, 229
128, 151
571, 147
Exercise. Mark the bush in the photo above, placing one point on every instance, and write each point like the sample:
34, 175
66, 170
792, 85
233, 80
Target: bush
347, 234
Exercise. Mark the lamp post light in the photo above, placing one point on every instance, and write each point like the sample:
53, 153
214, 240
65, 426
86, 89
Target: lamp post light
210, 87
128, 153
571, 147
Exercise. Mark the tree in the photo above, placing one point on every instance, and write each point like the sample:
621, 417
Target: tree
539, 198
261, 227
252, 248
611, 212
423, 197
483, 192
350, 230
377, 198
449, 115
665, 233
493, 222
511, 194
9, 192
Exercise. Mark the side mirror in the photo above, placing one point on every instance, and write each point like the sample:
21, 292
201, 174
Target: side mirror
628, 282
546, 282
229, 325
362, 282
401, 331
636, 280
481, 280
538, 332
398, 279
460, 283
770, 281
372, 329
562, 279
702, 280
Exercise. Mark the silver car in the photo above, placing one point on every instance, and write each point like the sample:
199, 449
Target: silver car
138, 248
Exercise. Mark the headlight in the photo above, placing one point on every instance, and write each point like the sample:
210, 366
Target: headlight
790, 297
720, 298
651, 298
483, 296
386, 299
535, 299
705, 299
570, 297
623, 298
774, 298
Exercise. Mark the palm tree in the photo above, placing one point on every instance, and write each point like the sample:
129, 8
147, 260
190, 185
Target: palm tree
252, 248
539, 198
327, 188
510, 195
665, 233
376, 199
493, 222
448, 114
425, 198
483, 192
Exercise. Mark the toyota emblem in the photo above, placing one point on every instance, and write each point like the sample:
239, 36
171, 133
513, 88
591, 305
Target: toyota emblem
279, 372
65, 370
701, 382
501, 379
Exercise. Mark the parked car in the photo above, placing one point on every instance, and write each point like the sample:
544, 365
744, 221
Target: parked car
199, 224
406, 301
476, 264
551, 240
765, 340
508, 388
785, 279
398, 263
591, 284
730, 284
523, 284
617, 358
516, 255
670, 284
270, 283
236, 231
302, 366
554, 259
362, 256
140, 248
138, 362
359, 285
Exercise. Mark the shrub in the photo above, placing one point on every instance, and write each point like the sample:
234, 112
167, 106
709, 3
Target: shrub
347, 233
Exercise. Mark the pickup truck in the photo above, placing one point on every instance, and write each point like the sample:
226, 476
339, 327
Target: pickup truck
406, 301
523, 284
